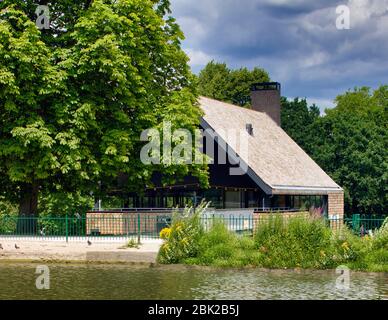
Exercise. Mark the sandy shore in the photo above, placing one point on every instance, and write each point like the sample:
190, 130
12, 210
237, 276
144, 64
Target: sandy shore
80, 252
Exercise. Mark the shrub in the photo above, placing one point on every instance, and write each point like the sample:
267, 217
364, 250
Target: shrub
376, 258
380, 239
278, 242
349, 247
222, 248
59, 203
216, 244
8, 216
294, 242
182, 238
379, 256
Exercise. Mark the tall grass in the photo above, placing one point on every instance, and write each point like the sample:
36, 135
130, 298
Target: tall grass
381, 237
279, 242
377, 259
183, 236
222, 248
294, 242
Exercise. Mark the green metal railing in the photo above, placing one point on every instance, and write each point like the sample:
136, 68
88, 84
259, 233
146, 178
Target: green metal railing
135, 225
363, 224
140, 226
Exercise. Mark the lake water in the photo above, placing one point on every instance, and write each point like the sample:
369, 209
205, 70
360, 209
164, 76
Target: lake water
17, 281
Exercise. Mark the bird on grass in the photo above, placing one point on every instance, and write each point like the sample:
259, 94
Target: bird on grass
89, 243
16, 246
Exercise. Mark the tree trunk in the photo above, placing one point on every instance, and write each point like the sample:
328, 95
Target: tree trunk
28, 209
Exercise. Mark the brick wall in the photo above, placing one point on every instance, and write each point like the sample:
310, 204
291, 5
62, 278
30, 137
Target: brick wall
122, 223
336, 204
267, 102
336, 210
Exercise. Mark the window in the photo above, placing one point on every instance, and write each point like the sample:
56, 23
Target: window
232, 199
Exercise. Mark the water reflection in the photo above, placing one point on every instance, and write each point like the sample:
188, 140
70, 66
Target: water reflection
17, 281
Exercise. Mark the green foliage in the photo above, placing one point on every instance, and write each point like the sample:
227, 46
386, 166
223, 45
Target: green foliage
350, 248
281, 242
219, 82
377, 261
217, 244
8, 213
58, 204
294, 242
221, 248
74, 99
241, 81
182, 238
7, 208
213, 81
351, 144
298, 120
381, 237
132, 244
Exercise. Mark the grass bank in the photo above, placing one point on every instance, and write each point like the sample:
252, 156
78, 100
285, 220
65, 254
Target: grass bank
298, 242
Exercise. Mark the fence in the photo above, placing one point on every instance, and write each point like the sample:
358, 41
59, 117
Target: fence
363, 224
72, 228
141, 226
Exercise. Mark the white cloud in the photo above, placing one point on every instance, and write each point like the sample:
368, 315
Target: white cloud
316, 59
321, 103
361, 11
197, 57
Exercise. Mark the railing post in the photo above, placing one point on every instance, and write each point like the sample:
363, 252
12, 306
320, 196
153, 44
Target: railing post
138, 228
67, 228
356, 222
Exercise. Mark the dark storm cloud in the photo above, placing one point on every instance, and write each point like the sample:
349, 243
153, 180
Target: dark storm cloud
290, 9
295, 40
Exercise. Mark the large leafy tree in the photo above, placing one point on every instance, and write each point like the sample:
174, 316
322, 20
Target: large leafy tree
217, 81
213, 81
75, 98
351, 143
298, 119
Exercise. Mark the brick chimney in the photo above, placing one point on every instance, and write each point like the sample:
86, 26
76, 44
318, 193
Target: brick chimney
266, 98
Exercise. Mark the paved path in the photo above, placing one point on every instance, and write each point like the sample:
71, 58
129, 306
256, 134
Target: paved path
46, 251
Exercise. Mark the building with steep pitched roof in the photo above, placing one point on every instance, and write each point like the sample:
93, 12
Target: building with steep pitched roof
276, 173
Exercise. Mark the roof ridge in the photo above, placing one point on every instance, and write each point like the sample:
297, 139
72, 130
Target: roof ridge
235, 106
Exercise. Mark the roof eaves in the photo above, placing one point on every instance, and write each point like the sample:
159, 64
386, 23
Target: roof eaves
304, 190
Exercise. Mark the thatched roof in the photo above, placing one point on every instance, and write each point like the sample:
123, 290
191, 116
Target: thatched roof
276, 163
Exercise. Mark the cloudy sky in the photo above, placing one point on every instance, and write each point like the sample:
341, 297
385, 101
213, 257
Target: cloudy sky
296, 41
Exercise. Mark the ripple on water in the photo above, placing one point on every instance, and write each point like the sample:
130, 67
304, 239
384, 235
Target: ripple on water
17, 281
274, 284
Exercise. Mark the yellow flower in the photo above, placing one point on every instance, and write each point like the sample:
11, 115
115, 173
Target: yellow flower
323, 254
185, 241
345, 246
178, 225
165, 233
